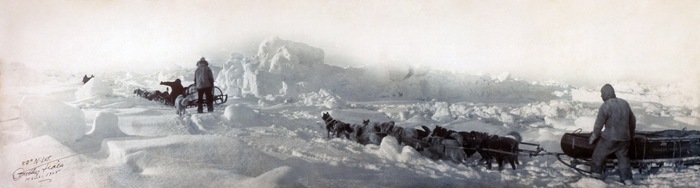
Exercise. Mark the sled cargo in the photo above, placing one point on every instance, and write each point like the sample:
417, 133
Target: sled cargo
676, 147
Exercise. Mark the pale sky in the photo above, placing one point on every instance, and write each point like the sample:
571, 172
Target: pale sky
590, 41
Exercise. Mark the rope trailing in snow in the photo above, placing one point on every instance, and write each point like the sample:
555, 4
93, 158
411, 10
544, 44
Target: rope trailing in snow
11, 119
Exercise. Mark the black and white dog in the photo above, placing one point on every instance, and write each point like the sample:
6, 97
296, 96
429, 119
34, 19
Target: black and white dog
181, 103
336, 127
500, 148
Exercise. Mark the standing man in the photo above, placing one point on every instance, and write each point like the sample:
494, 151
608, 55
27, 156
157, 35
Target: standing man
617, 136
204, 82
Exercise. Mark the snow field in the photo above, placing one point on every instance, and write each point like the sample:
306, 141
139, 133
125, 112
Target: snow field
271, 134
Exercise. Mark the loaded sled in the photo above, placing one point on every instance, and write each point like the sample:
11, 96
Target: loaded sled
219, 96
648, 151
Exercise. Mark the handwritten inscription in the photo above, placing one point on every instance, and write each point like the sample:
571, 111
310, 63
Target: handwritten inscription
39, 169
36, 161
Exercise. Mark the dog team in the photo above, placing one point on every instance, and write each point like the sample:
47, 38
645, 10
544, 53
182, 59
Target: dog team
440, 143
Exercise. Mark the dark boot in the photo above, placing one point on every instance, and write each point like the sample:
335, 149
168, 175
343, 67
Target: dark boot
210, 106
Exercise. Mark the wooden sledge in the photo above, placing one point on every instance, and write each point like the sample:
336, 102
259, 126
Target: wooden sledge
648, 152
219, 96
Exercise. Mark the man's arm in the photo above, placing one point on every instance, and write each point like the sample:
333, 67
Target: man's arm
211, 77
598, 126
632, 124
600, 120
195, 77
171, 84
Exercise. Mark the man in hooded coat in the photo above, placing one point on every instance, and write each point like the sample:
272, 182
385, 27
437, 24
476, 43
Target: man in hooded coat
204, 82
619, 121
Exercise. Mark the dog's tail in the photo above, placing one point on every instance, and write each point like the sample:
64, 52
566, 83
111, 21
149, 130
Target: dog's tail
516, 136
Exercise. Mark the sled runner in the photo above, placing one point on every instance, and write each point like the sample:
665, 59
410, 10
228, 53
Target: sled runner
219, 96
648, 151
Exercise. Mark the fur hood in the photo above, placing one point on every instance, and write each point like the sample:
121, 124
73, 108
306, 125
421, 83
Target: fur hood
607, 92
202, 62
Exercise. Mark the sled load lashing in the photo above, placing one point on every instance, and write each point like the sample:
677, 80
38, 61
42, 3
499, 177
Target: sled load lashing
648, 151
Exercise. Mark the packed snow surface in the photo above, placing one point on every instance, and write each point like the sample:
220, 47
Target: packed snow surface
57, 132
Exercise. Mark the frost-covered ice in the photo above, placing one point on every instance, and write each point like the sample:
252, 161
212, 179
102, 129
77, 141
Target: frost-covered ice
270, 134
46, 116
94, 88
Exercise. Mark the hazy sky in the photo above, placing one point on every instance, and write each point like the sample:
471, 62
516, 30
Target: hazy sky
551, 40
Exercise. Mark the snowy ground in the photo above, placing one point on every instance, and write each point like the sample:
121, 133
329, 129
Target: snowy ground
254, 142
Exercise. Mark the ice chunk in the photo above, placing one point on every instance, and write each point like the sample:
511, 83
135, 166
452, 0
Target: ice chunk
278, 61
322, 98
106, 125
46, 116
230, 79
238, 115
653, 108
409, 154
442, 114
389, 148
559, 123
503, 77
96, 87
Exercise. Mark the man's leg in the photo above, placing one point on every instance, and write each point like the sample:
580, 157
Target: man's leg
200, 101
210, 99
623, 162
600, 153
